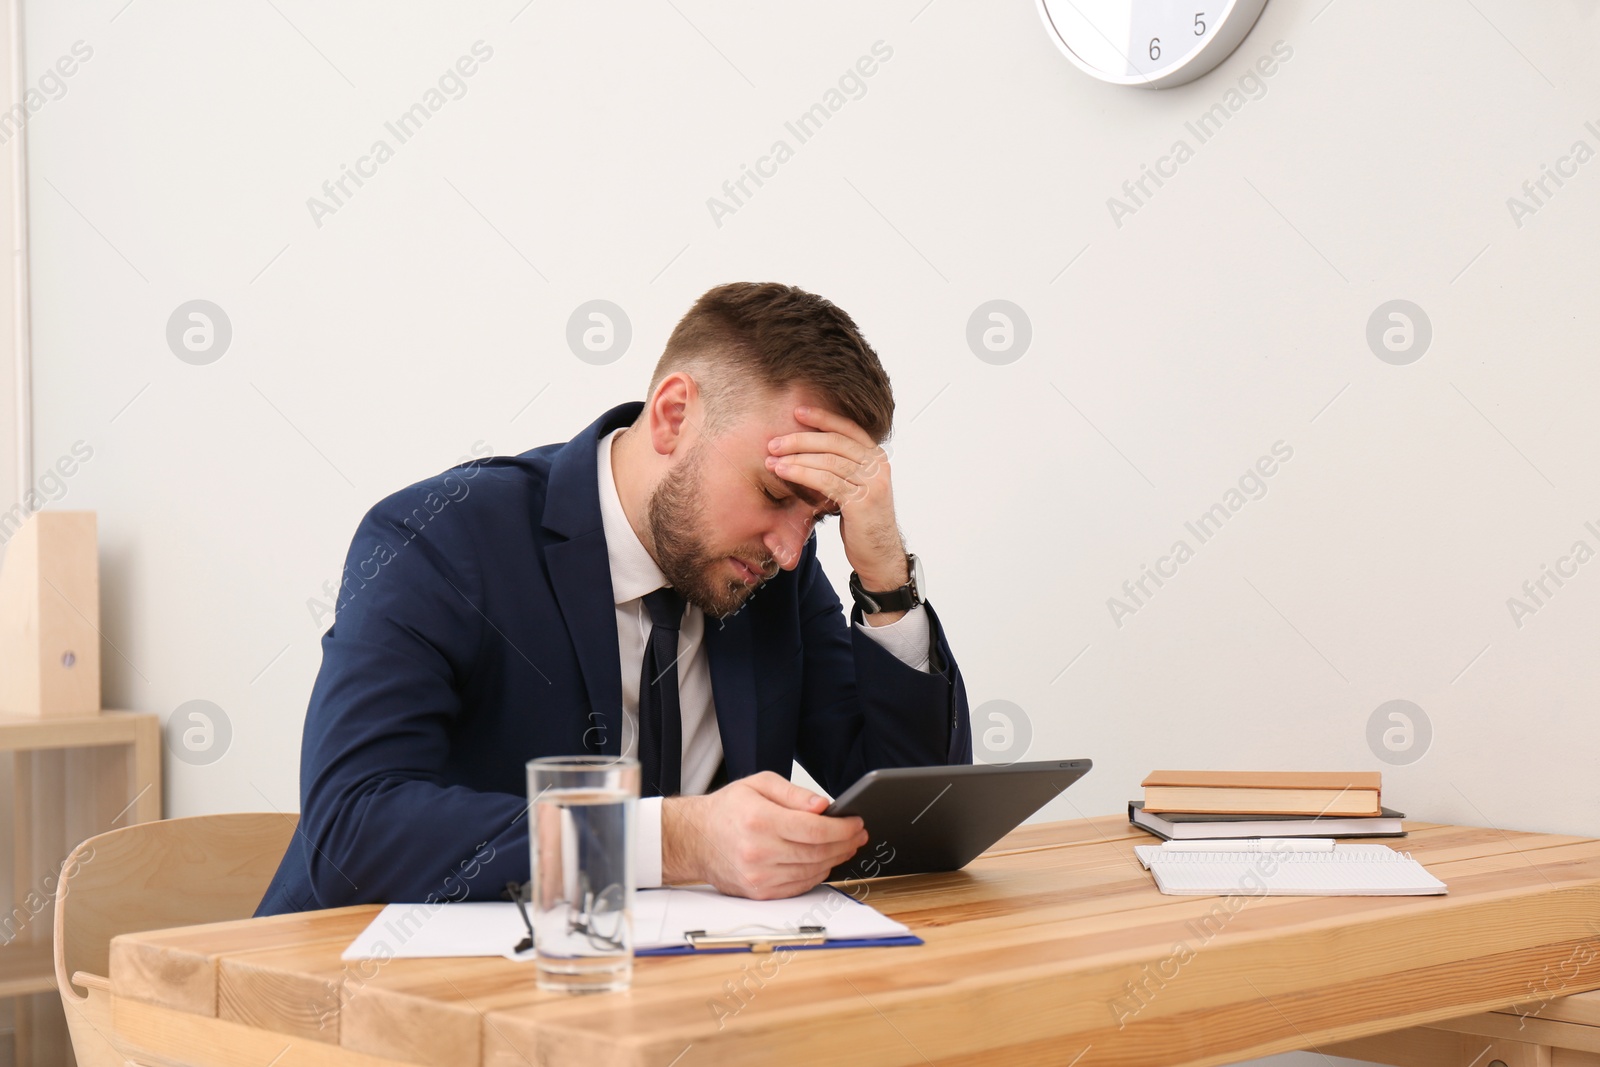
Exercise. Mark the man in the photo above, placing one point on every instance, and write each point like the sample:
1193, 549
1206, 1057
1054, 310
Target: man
649, 587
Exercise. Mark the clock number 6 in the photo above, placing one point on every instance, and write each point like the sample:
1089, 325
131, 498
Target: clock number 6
1155, 48
1199, 25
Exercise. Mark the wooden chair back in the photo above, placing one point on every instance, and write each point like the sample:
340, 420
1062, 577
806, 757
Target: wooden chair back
150, 876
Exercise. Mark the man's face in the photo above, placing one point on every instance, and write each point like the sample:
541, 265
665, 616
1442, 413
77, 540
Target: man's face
722, 523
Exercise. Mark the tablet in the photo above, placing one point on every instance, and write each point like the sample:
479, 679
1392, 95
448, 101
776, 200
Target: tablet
925, 819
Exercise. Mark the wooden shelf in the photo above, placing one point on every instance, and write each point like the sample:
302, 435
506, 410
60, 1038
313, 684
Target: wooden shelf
21, 733
27, 968
72, 779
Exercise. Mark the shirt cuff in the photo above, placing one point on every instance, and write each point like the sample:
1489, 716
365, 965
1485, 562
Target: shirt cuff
647, 843
906, 638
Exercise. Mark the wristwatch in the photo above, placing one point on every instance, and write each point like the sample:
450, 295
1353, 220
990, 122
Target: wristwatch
905, 598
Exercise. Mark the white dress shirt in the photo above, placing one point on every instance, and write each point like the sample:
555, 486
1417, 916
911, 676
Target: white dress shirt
633, 574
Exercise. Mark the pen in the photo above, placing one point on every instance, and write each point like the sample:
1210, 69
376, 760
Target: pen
1258, 844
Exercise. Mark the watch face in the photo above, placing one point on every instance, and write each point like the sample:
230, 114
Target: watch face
917, 579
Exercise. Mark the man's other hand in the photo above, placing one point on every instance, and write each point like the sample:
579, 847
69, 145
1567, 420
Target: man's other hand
761, 837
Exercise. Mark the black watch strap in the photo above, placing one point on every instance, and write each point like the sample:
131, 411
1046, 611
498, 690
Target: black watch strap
902, 599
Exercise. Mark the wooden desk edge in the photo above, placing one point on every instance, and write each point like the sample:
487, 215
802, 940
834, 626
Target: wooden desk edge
1323, 1035
175, 1036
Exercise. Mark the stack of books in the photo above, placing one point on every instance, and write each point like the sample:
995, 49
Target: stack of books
1201, 805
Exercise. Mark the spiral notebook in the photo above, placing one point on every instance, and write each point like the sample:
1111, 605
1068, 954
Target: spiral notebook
1335, 871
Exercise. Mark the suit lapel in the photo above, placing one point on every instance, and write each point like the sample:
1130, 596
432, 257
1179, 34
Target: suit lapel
733, 690
580, 571
580, 574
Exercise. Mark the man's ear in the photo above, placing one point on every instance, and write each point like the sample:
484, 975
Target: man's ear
668, 411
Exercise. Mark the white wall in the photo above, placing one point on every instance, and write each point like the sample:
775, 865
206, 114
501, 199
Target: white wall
1228, 313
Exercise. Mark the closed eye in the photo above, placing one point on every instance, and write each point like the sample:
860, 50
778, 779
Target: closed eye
818, 517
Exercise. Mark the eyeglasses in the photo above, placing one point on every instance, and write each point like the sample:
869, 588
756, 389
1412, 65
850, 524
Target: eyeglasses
598, 918
514, 891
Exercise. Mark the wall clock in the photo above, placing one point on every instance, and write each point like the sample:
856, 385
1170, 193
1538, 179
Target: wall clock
1154, 44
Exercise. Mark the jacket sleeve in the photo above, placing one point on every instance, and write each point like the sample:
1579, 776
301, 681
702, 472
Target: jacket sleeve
861, 707
380, 823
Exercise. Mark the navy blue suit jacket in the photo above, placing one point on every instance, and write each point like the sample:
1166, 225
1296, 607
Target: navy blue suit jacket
476, 630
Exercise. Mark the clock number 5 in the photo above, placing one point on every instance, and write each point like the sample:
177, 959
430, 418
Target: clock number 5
1199, 25
1155, 48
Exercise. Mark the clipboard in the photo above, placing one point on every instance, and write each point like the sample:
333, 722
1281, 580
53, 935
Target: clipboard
706, 943
824, 918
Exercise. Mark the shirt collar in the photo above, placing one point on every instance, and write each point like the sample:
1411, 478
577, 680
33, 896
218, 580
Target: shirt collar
633, 572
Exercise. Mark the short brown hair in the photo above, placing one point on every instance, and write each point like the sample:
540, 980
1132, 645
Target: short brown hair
775, 336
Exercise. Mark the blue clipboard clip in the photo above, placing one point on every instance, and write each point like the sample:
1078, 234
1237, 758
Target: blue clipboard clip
768, 939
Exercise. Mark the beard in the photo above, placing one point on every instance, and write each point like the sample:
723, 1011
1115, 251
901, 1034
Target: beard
674, 514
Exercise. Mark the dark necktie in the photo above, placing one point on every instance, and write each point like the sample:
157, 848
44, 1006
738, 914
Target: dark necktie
660, 721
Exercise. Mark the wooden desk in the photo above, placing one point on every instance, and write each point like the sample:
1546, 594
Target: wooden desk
1055, 947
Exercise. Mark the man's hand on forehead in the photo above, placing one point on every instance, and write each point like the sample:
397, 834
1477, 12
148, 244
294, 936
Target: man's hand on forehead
837, 467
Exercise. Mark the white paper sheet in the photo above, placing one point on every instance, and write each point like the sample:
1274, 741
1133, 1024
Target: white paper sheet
1342, 871
660, 917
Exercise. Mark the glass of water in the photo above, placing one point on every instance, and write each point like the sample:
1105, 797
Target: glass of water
581, 821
